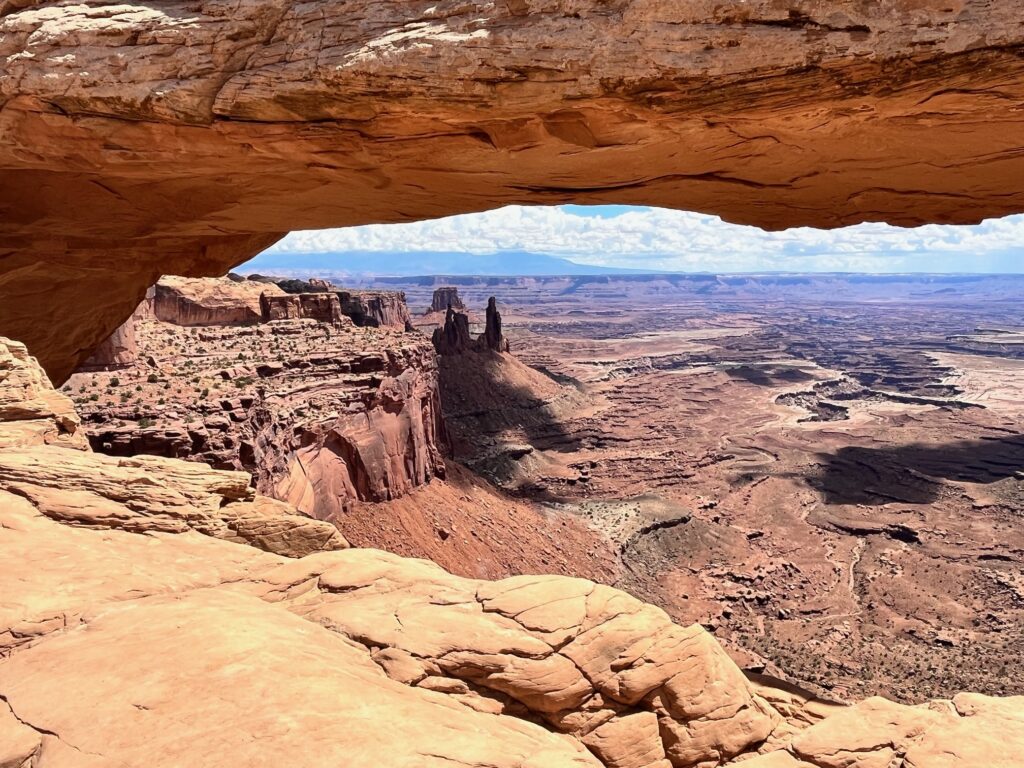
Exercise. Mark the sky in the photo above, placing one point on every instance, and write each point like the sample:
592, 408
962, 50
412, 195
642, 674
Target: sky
665, 240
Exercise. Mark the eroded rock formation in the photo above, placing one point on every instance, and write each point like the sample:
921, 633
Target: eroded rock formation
210, 301
182, 138
376, 308
445, 297
117, 350
320, 412
493, 337
141, 494
453, 337
545, 672
322, 307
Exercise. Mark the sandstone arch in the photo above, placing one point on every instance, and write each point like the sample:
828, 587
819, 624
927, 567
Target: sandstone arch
182, 137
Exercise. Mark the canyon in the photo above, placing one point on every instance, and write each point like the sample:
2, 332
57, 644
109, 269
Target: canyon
730, 449
341, 421
530, 670
832, 486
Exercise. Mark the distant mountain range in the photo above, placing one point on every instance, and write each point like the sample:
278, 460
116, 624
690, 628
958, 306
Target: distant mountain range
363, 263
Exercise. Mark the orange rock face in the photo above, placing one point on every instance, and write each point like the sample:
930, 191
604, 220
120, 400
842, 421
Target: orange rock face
184, 137
210, 301
181, 643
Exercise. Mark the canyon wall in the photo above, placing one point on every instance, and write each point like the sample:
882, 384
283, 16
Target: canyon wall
445, 297
322, 307
389, 440
376, 308
209, 301
320, 412
117, 350
183, 137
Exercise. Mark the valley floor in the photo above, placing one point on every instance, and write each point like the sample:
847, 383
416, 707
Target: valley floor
835, 489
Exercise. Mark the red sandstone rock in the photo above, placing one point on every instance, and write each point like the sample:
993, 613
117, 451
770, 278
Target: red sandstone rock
117, 350
320, 412
376, 308
209, 301
322, 307
444, 298
184, 138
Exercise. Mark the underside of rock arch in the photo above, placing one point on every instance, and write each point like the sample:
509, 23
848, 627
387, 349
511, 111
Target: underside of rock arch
144, 138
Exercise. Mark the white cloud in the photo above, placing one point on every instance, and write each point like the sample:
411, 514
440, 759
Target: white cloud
656, 238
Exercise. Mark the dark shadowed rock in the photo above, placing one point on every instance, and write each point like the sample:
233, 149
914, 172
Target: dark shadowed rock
445, 297
493, 337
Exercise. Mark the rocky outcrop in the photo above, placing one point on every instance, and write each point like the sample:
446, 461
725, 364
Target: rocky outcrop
387, 441
446, 297
180, 138
453, 337
544, 672
376, 308
322, 307
319, 412
141, 494
117, 350
31, 412
493, 338
210, 301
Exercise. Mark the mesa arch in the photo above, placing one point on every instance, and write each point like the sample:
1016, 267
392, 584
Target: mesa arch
141, 138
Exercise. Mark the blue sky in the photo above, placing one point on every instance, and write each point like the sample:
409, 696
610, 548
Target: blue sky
661, 239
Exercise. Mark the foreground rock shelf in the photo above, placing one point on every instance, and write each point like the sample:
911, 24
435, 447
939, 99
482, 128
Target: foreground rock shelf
185, 648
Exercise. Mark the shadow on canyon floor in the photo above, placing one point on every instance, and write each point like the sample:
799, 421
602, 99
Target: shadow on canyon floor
913, 474
499, 396
769, 378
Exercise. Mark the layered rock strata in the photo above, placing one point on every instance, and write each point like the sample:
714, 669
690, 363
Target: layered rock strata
376, 308
453, 338
117, 350
210, 301
493, 337
319, 412
293, 115
445, 297
322, 307
182, 647
140, 494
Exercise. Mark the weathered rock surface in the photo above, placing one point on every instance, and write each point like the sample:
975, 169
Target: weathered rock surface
117, 350
445, 297
322, 307
211, 301
182, 138
183, 649
140, 494
320, 412
376, 308
177, 648
31, 411
493, 337
453, 337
